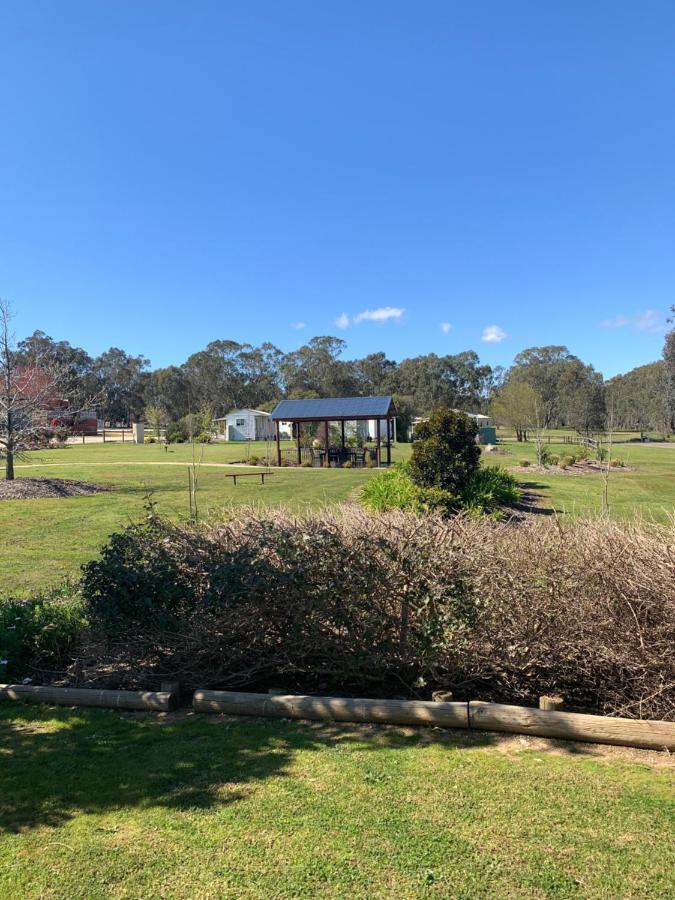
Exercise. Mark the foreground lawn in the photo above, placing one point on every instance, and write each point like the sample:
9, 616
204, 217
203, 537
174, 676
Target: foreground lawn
104, 804
43, 540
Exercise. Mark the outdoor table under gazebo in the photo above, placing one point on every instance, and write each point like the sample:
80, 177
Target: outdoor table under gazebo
379, 410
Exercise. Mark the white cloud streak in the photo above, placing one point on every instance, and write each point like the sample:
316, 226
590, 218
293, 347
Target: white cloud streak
493, 334
446, 327
650, 321
382, 314
298, 325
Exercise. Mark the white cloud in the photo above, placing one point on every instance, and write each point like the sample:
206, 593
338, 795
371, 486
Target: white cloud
383, 314
342, 321
298, 325
651, 321
493, 334
446, 327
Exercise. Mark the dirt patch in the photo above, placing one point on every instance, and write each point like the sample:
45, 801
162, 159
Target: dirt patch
47, 488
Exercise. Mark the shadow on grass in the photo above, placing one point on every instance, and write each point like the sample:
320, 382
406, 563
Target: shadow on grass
56, 764
532, 498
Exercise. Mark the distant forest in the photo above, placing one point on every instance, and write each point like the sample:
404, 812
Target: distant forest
547, 382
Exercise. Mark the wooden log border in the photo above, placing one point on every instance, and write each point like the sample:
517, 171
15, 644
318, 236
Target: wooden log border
158, 701
642, 733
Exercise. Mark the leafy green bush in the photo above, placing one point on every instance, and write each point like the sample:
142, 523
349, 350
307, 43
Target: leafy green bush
40, 632
347, 464
582, 452
489, 488
203, 438
524, 463
566, 461
391, 489
445, 453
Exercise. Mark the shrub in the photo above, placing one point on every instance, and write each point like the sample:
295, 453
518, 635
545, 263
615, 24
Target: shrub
61, 434
583, 452
617, 463
553, 459
203, 438
343, 599
306, 464
566, 461
331, 599
39, 633
150, 439
254, 460
489, 488
347, 464
391, 489
445, 453
524, 463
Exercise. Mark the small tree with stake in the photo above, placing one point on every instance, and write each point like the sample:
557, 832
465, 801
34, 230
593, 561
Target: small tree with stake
445, 453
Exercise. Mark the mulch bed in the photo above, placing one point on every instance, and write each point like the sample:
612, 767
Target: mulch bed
591, 468
49, 488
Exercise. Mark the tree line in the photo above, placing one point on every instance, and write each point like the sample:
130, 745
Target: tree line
545, 387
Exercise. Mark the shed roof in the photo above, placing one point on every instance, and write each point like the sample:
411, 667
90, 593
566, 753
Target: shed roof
334, 408
232, 412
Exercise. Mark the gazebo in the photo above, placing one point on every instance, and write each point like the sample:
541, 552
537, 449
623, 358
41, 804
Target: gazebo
381, 410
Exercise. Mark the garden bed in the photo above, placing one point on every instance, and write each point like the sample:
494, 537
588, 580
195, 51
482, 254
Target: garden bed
47, 488
576, 469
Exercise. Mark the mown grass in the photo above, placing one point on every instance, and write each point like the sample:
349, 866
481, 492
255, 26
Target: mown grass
43, 540
646, 488
102, 804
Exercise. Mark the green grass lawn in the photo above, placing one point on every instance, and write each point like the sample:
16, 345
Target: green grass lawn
98, 804
647, 489
43, 540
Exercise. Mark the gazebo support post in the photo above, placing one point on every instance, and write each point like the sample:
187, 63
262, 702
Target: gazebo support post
379, 443
388, 442
278, 437
342, 433
298, 426
326, 431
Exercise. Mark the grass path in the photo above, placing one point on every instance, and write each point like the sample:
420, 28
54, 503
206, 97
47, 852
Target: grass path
101, 804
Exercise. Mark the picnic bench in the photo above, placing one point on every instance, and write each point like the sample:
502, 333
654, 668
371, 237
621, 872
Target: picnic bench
263, 475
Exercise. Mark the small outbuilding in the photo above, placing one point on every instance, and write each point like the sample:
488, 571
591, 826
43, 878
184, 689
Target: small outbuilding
246, 425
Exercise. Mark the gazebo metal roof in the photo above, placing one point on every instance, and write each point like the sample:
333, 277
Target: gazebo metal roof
334, 409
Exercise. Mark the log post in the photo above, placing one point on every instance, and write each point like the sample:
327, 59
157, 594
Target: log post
150, 700
554, 702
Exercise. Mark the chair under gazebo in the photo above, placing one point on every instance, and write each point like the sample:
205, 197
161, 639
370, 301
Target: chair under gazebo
322, 412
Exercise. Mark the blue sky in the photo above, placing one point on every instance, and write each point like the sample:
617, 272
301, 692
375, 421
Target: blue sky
413, 177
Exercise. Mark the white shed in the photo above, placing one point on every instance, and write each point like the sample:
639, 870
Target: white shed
246, 425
